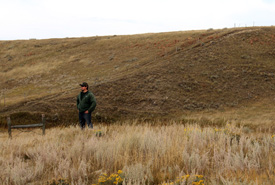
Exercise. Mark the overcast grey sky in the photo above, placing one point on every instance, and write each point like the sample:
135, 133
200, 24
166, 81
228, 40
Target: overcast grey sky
42, 19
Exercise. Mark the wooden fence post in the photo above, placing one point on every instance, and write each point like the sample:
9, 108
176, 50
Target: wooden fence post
9, 126
44, 123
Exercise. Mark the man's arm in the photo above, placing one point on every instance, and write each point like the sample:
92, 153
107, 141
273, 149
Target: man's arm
93, 103
77, 102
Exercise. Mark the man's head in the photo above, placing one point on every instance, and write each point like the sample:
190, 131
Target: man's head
84, 86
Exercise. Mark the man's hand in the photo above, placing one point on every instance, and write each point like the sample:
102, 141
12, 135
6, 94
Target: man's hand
86, 112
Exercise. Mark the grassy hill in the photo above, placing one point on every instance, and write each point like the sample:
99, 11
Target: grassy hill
160, 75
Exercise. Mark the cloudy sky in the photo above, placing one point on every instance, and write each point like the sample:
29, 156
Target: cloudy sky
42, 19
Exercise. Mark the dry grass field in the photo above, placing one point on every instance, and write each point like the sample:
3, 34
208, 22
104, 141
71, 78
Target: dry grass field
187, 107
143, 153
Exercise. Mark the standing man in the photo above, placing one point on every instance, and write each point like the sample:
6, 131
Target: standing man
86, 104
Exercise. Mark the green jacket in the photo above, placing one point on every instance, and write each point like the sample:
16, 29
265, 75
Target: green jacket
86, 101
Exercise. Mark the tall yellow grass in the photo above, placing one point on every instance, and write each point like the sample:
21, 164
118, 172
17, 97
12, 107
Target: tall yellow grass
147, 154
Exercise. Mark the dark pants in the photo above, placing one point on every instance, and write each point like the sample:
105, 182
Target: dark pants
85, 118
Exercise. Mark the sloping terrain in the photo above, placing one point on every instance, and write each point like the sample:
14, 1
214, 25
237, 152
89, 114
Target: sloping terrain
139, 76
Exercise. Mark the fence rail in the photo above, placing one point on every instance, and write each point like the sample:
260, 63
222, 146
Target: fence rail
43, 125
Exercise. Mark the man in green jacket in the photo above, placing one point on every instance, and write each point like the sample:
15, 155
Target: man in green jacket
86, 104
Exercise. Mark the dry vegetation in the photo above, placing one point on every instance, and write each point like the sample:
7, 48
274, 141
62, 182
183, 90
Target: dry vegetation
146, 75
147, 153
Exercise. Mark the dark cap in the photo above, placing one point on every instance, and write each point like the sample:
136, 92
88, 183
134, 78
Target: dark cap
84, 84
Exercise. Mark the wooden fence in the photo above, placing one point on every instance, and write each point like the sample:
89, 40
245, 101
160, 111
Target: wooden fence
43, 125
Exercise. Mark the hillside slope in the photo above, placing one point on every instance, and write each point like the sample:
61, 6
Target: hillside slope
147, 75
